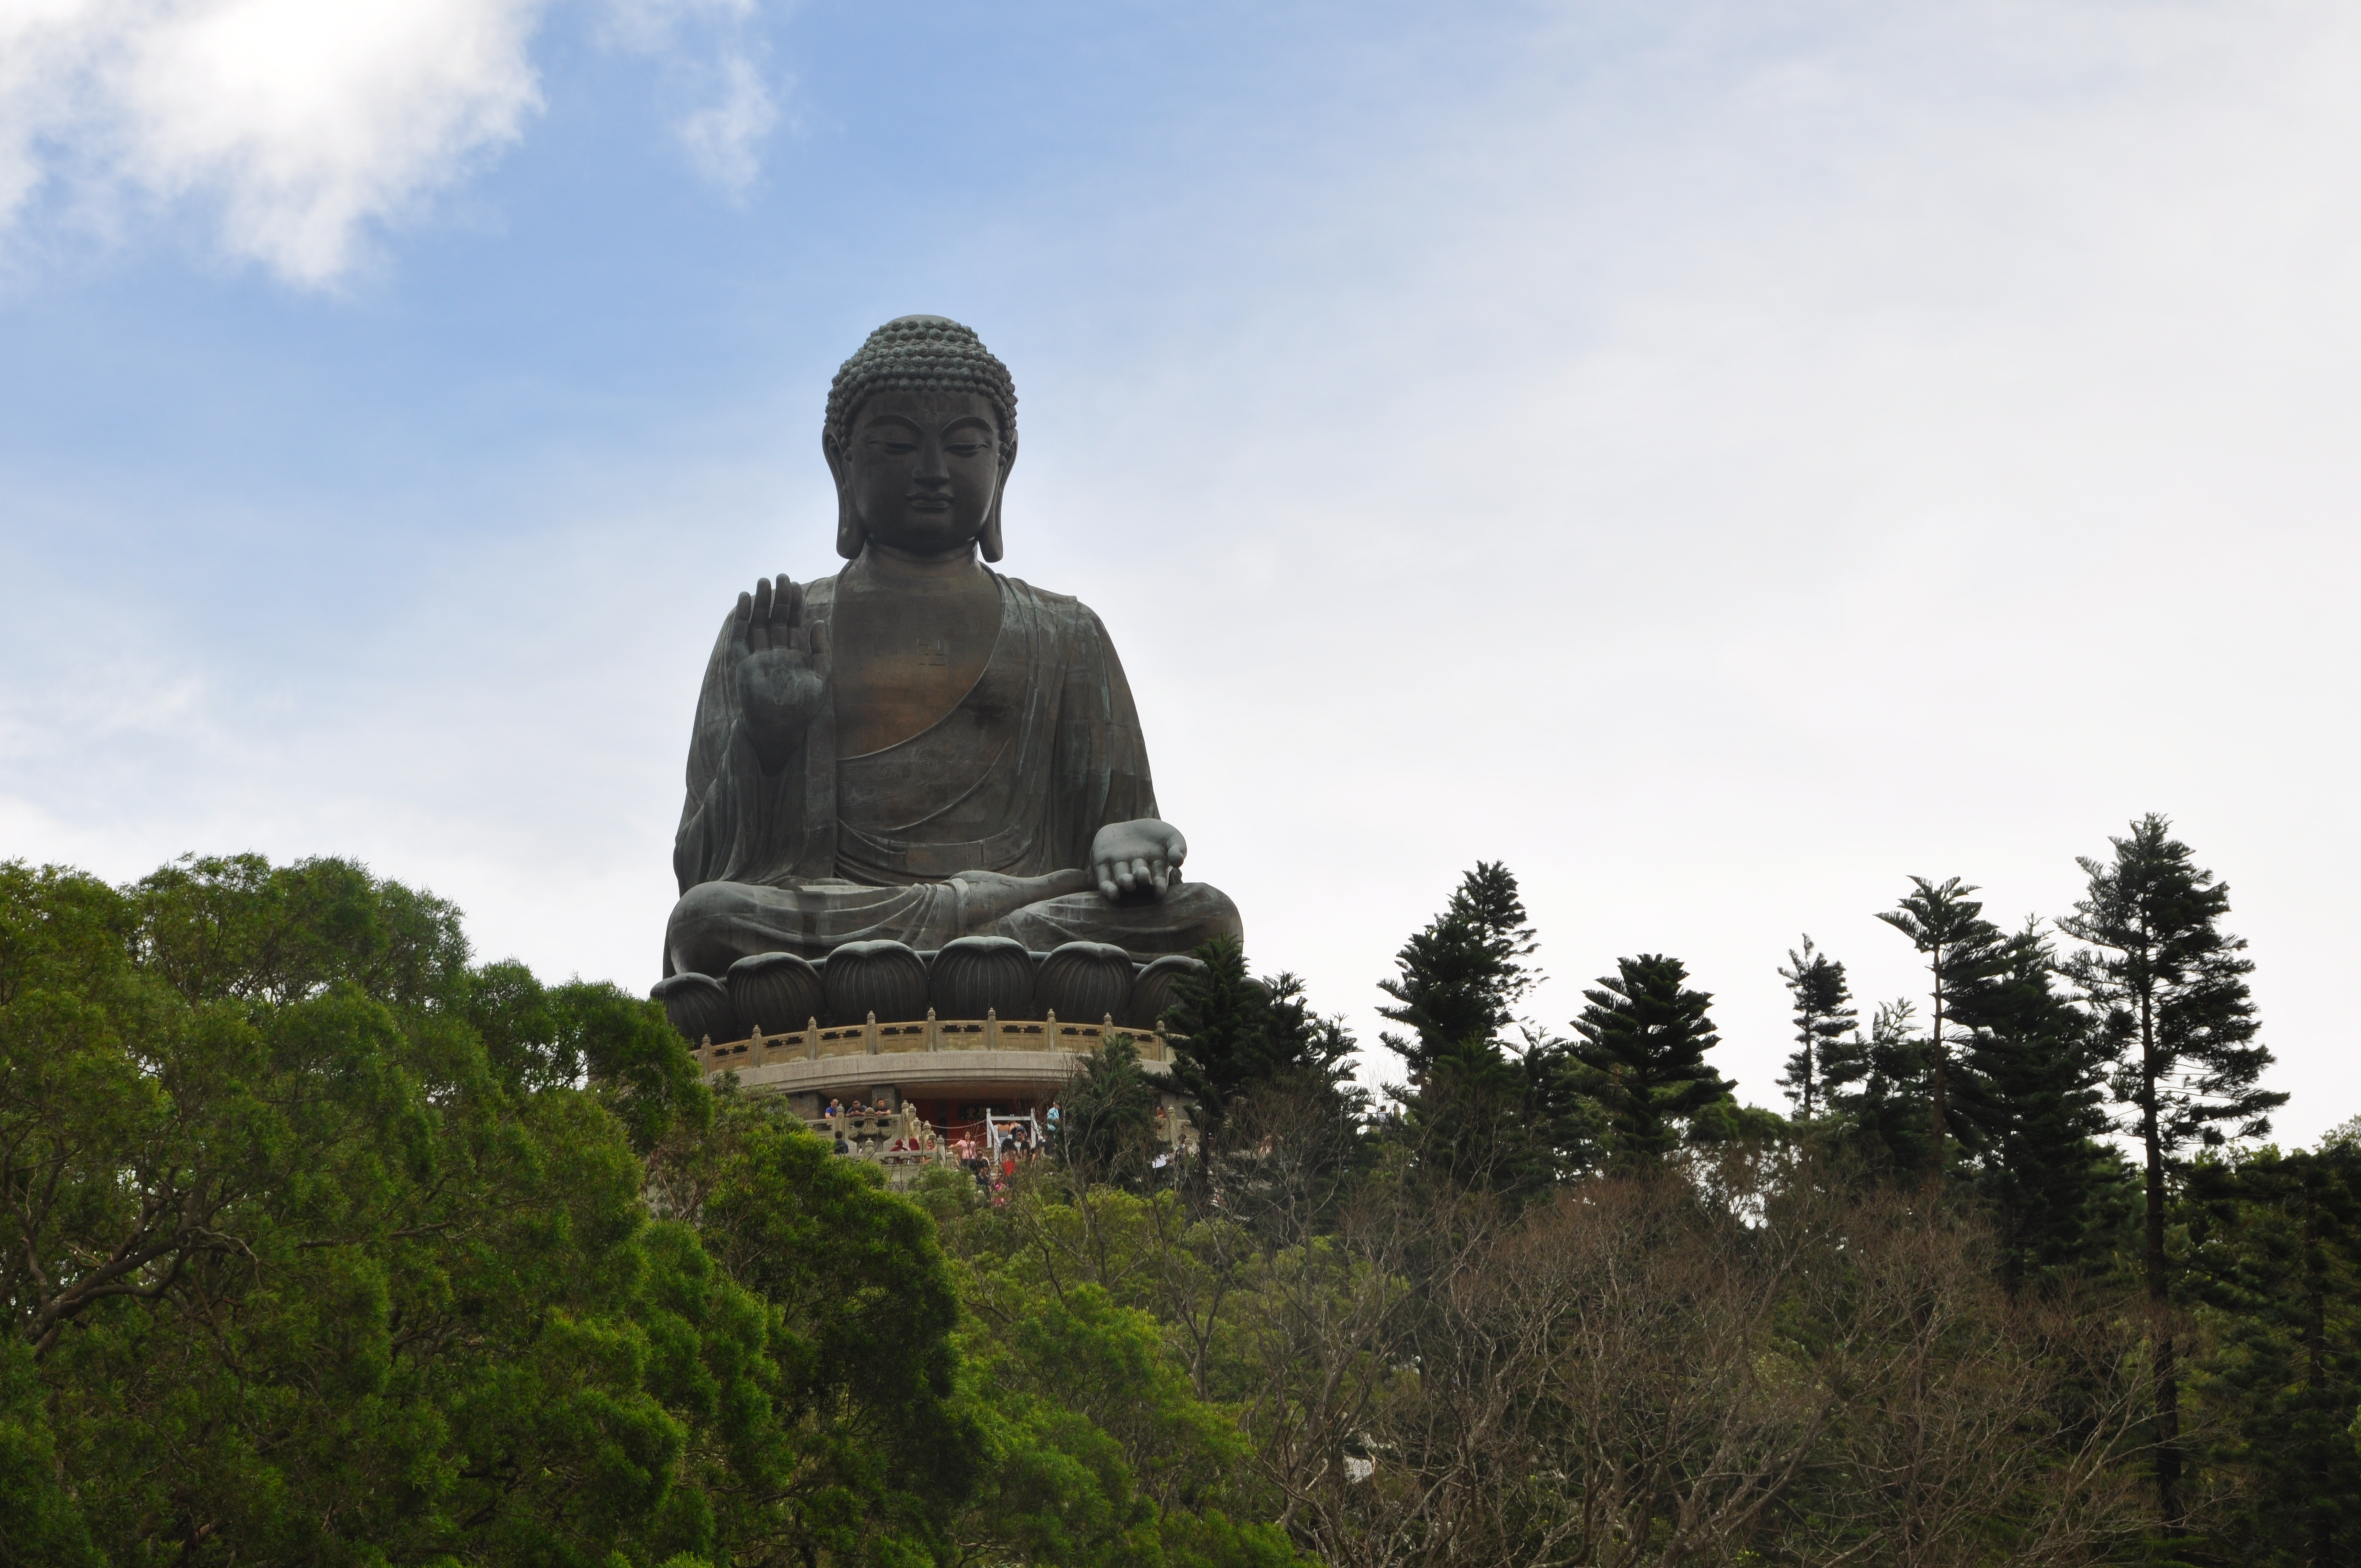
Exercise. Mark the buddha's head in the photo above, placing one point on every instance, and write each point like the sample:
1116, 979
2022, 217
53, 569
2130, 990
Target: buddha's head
920, 433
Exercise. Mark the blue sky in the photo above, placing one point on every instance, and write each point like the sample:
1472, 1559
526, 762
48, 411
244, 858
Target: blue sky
1719, 458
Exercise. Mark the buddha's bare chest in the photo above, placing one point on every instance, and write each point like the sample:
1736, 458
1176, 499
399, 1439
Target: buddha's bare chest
903, 662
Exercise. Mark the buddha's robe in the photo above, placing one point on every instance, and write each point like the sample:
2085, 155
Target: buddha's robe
1043, 750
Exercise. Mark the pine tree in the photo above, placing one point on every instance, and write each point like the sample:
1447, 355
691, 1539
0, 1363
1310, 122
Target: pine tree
2029, 1082
1480, 1112
1963, 952
1641, 1054
1232, 1034
1824, 1012
1876, 1090
2275, 1262
1462, 977
2169, 988
1106, 1125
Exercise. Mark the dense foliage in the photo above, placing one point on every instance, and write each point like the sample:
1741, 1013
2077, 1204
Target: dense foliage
326, 1243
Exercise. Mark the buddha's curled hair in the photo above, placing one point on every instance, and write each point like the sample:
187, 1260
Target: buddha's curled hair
922, 354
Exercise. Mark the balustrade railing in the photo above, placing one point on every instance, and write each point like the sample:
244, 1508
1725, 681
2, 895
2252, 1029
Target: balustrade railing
815, 1043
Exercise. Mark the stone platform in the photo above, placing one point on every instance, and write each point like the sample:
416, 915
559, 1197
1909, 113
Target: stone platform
952, 1070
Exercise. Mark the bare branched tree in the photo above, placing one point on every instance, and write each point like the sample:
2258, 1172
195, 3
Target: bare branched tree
1631, 1374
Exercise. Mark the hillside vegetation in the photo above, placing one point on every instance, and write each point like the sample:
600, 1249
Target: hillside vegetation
325, 1242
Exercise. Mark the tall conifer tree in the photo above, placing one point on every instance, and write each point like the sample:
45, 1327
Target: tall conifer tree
2275, 1250
1824, 1014
2170, 986
1234, 1033
1963, 951
1642, 1051
2030, 1082
1483, 1113
1877, 1089
1462, 976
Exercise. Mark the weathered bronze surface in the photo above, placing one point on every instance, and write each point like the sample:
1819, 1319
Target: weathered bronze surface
921, 749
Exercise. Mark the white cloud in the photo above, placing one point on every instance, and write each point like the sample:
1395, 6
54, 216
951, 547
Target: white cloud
724, 138
301, 123
648, 26
714, 48
297, 126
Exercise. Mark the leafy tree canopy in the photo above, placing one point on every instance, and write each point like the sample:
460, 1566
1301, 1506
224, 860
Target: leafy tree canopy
323, 1246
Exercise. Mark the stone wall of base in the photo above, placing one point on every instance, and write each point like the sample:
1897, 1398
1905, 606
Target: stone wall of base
920, 1075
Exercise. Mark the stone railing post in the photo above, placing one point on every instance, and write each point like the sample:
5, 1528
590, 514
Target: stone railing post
869, 1032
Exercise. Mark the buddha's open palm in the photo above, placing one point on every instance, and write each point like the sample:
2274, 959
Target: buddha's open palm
1142, 856
781, 673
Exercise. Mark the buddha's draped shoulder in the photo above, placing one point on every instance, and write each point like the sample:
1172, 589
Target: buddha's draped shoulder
1043, 750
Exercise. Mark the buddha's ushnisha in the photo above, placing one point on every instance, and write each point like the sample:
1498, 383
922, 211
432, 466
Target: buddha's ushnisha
920, 747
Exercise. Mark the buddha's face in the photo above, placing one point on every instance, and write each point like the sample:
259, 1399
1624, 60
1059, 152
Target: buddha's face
921, 470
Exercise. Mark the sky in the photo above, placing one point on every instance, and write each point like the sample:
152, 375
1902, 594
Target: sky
1720, 458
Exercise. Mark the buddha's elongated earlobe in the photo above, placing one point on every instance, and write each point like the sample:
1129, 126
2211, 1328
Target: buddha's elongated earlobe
850, 535
990, 538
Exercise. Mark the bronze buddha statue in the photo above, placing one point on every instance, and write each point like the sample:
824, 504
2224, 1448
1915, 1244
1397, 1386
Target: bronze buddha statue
921, 749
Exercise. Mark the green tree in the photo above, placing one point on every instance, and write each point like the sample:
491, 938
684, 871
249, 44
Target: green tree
1235, 1036
1876, 1090
1481, 1113
1640, 1056
1233, 1032
2169, 988
2274, 1263
1107, 1116
1461, 977
2030, 1082
1105, 1352
1963, 952
1822, 1005
866, 1441
319, 1246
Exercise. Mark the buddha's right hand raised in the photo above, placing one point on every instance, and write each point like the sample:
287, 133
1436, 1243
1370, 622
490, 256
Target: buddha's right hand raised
782, 669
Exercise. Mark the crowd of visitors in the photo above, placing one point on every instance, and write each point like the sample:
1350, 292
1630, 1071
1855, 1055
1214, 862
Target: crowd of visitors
990, 1149
859, 1108
902, 1140
994, 1150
